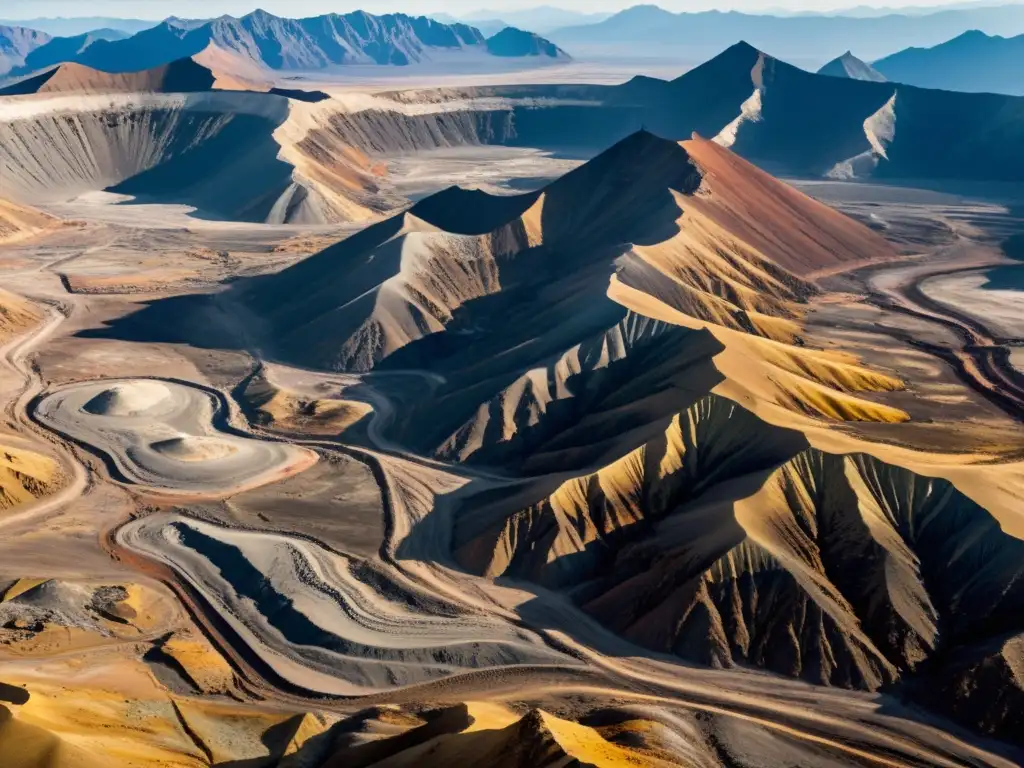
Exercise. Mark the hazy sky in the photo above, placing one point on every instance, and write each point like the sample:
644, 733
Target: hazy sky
159, 9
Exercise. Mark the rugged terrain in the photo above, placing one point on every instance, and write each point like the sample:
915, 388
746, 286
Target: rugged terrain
850, 66
269, 42
184, 132
660, 462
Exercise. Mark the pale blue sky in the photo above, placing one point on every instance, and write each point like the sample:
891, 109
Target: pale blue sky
159, 9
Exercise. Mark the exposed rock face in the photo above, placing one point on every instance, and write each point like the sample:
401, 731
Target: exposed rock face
983, 686
279, 43
777, 557
233, 155
184, 76
16, 44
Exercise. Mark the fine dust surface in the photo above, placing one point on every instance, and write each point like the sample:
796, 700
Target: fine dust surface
164, 435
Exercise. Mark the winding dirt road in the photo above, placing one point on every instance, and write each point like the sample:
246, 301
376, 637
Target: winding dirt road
851, 724
983, 359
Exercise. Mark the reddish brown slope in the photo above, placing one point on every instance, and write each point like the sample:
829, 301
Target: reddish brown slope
795, 231
183, 76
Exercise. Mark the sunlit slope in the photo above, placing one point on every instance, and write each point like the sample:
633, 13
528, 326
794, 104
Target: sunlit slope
726, 540
18, 222
24, 474
172, 135
16, 315
493, 735
681, 223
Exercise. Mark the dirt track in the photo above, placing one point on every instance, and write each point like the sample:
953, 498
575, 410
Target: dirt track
983, 360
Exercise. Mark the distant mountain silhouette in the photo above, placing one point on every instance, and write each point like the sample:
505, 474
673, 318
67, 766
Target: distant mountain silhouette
541, 19
793, 122
265, 40
800, 38
850, 66
61, 49
79, 25
490, 27
973, 62
516, 42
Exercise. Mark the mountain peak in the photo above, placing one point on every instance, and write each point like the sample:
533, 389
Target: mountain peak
512, 41
850, 67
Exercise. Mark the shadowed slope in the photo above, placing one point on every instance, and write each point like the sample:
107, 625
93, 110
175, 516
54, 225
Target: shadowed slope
232, 155
972, 61
725, 540
494, 736
849, 66
184, 76
686, 220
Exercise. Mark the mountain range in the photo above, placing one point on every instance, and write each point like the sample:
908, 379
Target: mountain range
79, 25
802, 39
624, 346
267, 41
788, 120
972, 61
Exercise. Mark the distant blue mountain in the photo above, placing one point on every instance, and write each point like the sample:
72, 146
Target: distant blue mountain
800, 38
973, 62
72, 27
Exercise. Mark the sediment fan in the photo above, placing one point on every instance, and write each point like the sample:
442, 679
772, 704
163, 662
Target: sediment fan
267, 42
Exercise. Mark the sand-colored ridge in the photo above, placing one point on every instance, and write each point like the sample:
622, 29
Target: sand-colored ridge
26, 745
16, 315
129, 719
193, 448
282, 409
20, 222
756, 207
496, 737
230, 71
129, 399
184, 76
25, 475
19, 587
692, 225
